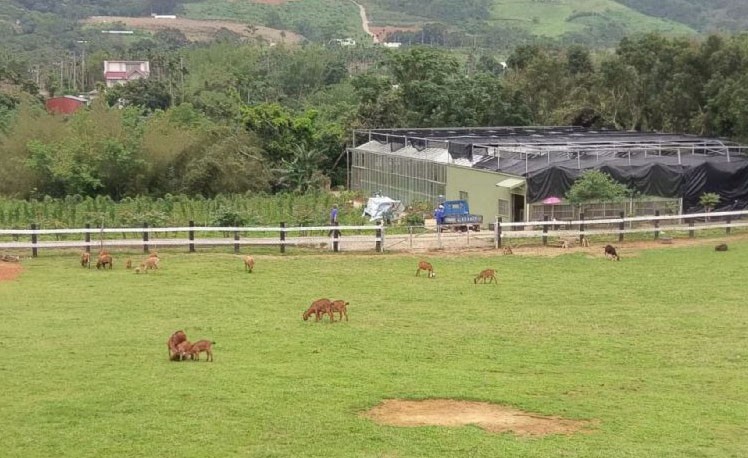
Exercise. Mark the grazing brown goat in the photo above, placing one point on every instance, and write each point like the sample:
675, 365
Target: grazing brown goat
341, 307
610, 251
319, 308
423, 265
249, 263
150, 263
104, 261
173, 343
202, 346
486, 274
721, 247
86, 259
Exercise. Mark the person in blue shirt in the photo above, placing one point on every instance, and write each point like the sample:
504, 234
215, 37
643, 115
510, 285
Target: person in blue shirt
439, 215
334, 221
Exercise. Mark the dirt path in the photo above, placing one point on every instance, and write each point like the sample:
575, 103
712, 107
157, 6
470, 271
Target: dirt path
365, 21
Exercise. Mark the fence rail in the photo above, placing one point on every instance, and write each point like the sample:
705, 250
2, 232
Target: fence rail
286, 237
368, 238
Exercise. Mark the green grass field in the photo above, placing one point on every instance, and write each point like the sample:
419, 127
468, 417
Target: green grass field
554, 18
651, 349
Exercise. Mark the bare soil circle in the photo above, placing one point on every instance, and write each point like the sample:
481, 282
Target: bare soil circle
9, 271
490, 417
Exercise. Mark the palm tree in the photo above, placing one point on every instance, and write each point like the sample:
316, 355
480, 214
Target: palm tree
301, 172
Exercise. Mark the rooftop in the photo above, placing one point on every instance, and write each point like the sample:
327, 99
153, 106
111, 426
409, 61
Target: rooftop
524, 150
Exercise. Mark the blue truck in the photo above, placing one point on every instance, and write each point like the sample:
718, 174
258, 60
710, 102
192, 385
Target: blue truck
457, 217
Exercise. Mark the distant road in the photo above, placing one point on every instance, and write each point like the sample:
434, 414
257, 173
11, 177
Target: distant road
365, 21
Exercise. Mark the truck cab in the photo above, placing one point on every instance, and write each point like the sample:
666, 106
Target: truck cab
457, 216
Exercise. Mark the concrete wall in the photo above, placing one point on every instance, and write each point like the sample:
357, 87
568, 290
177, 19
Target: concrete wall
483, 194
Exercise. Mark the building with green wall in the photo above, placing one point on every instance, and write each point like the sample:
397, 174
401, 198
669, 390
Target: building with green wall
508, 172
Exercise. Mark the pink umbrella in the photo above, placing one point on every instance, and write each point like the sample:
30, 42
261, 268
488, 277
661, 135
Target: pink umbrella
552, 200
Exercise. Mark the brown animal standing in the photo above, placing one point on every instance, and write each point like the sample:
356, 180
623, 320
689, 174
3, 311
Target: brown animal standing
128, 264
173, 343
86, 259
104, 261
721, 247
249, 263
610, 251
185, 349
508, 250
150, 263
423, 265
202, 346
585, 242
319, 308
341, 307
486, 274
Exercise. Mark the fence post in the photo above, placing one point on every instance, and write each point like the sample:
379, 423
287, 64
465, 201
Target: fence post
729, 221
33, 240
236, 240
145, 238
378, 244
690, 230
335, 238
545, 230
191, 236
87, 238
657, 225
283, 237
410, 236
581, 228
621, 228
497, 232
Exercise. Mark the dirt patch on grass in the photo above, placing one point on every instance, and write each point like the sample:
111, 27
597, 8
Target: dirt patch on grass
198, 30
9, 271
490, 417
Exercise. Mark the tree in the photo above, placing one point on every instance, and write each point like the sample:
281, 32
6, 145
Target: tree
301, 172
709, 200
595, 185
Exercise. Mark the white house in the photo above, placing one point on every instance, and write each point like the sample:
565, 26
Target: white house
124, 71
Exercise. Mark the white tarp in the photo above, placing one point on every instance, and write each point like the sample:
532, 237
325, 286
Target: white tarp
376, 207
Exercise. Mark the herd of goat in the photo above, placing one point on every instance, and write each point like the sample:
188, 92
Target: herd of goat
181, 349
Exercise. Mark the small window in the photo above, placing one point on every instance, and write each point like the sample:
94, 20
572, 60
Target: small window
463, 195
504, 208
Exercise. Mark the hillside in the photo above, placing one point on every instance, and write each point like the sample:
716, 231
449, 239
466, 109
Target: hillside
703, 15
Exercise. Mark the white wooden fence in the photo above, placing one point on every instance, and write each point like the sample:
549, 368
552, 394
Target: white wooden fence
364, 238
656, 225
329, 237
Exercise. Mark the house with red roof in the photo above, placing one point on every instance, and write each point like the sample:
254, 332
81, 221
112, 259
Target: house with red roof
123, 71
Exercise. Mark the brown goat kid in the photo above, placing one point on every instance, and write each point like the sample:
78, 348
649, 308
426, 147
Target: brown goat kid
185, 350
486, 274
341, 307
202, 346
423, 265
104, 261
150, 263
249, 263
610, 251
86, 259
319, 308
